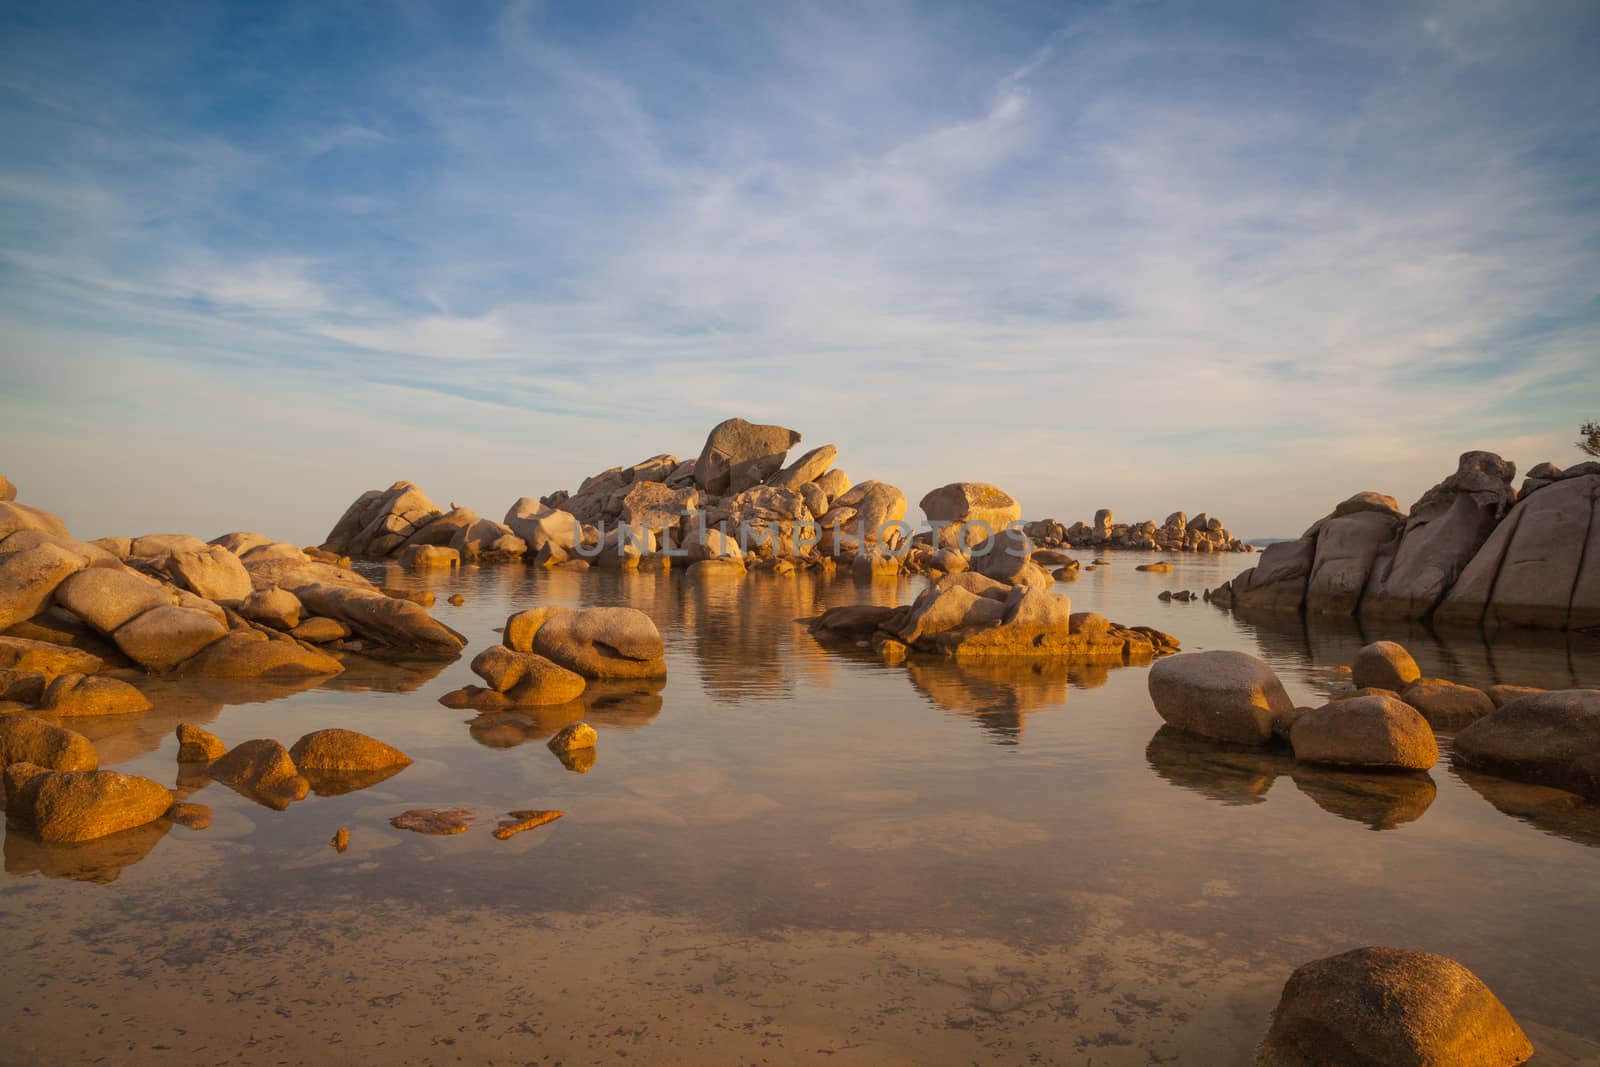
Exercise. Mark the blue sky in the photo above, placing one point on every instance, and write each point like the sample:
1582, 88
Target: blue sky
257, 258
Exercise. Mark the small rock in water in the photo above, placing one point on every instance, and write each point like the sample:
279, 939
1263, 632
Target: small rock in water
432, 821
424, 597
457, 599
1065, 574
340, 839
1384, 665
1157, 568
198, 746
578, 735
194, 816
524, 820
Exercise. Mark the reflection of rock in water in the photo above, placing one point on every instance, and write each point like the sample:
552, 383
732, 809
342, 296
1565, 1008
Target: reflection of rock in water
338, 783
101, 860
998, 695
363, 674
1241, 774
622, 705
744, 633
1381, 801
1231, 774
1548, 659
1555, 811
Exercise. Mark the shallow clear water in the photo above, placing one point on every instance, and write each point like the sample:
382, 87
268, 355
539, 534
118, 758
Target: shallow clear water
790, 853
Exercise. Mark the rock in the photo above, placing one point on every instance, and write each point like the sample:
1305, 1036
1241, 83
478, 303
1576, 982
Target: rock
344, 750
526, 678
574, 736
623, 547
250, 653
716, 569
1349, 545
164, 637
702, 545
985, 508
88, 553
273, 607
340, 839
319, 631
14, 517
654, 507
1384, 665
262, 770
1444, 531
874, 505
1550, 738
1065, 574
160, 546
21, 654
1389, 1007
833, 483
106, 598
1155, 568
956, 601
436, 821
212, 572
26, 739
429, 557
29, 577
1369, 731
400, 626
1227, 696
1278, 582
198, 746
193, 816
851, 620
22, 687
455, 600
240, 542
519, 630
739, 454
524, 820
603, 643
1004, 556
1540, 567
875, 564
488, 539
805, 470
381, 521
1447, 705
444, 530
1500, 695
8, 491
82, 695
67, 807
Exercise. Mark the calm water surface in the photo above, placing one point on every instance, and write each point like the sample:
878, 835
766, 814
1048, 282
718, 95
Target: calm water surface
785, 853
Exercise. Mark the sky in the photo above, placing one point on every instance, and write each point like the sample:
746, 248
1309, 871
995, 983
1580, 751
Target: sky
255, 259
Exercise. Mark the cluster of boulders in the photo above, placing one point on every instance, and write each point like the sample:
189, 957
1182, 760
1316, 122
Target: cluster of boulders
328, 762
548, 655
240, 606
1179, 533
972, 616
1385, 717
1471, 551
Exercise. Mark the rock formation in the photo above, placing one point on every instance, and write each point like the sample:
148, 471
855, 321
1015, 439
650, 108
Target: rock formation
1469, 552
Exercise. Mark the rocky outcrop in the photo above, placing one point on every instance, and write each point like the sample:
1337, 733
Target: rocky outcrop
1388, 1007
602, 643
1179, 533
381, 521
964, 514
739, 454
1470, 552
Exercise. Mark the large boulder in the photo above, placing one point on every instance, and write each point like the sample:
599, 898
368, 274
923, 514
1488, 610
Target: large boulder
1384, 665
1445, 704
987, 508
654, 507
161, 545
738, 454
1369, 731
68, 807
1540, 567
84, 695
29, 577
1389, 1007
164, 637
42, 657
399, 626
379, 522
1277, 583
213, 573
525, 679
1444, 530
1224, 695
273, 607
444, 529
872, 506
603, 643
253, 653
805, 470
1349, 543
344, 750
539, 525
15, 516
1003, 557
26, 739
106, 598
1548, 738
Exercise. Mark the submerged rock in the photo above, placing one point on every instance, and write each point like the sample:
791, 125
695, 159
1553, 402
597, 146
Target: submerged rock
1388, 1007
1228, 696
436, 821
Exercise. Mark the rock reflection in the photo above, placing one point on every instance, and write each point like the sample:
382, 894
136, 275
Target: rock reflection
1555, 811
100, 861
998, 696
363, 674
743, 634
623, 705
338, 783
1240, 774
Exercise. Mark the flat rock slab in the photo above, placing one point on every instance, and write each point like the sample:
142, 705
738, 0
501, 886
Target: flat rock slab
524, 820
439, 821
